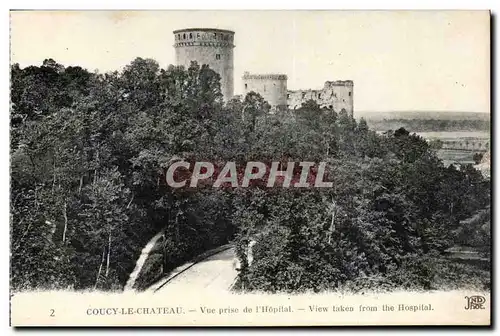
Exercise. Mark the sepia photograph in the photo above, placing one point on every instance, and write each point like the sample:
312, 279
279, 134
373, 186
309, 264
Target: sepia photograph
250, 168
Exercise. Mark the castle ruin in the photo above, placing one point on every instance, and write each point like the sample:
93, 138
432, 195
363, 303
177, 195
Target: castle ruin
214, 47
337, 95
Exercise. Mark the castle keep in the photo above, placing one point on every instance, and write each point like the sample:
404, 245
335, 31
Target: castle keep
214, 47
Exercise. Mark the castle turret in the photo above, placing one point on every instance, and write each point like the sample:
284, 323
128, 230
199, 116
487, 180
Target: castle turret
272, 87
210, 46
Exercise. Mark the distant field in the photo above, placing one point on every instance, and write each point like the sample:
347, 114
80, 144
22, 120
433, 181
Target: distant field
428, 115
427, 121
450, 156
430, 125
455, 135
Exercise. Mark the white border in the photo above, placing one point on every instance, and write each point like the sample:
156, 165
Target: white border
191, 4
224, 4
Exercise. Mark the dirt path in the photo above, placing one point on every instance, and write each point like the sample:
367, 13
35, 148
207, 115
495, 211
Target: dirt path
215, 273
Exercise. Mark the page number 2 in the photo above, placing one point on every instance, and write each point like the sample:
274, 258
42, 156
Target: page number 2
52, 313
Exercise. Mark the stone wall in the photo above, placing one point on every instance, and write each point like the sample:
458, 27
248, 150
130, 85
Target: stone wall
338, 95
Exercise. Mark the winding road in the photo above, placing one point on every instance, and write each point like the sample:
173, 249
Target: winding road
215, 273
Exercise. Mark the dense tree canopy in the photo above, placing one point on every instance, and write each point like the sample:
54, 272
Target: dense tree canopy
89, 153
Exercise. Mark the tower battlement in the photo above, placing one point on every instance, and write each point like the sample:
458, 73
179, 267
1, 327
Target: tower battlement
339, 83
248, 75
204, 37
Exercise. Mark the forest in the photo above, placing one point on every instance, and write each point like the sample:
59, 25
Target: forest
88, 155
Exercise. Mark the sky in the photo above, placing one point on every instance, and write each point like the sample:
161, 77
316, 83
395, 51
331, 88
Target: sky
399, 60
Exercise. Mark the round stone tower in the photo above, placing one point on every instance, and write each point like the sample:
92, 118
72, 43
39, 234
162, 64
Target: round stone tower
272, 87
213, 47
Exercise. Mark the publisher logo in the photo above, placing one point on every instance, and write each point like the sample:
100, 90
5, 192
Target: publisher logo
475, 302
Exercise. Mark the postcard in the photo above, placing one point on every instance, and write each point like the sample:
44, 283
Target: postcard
250, 168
